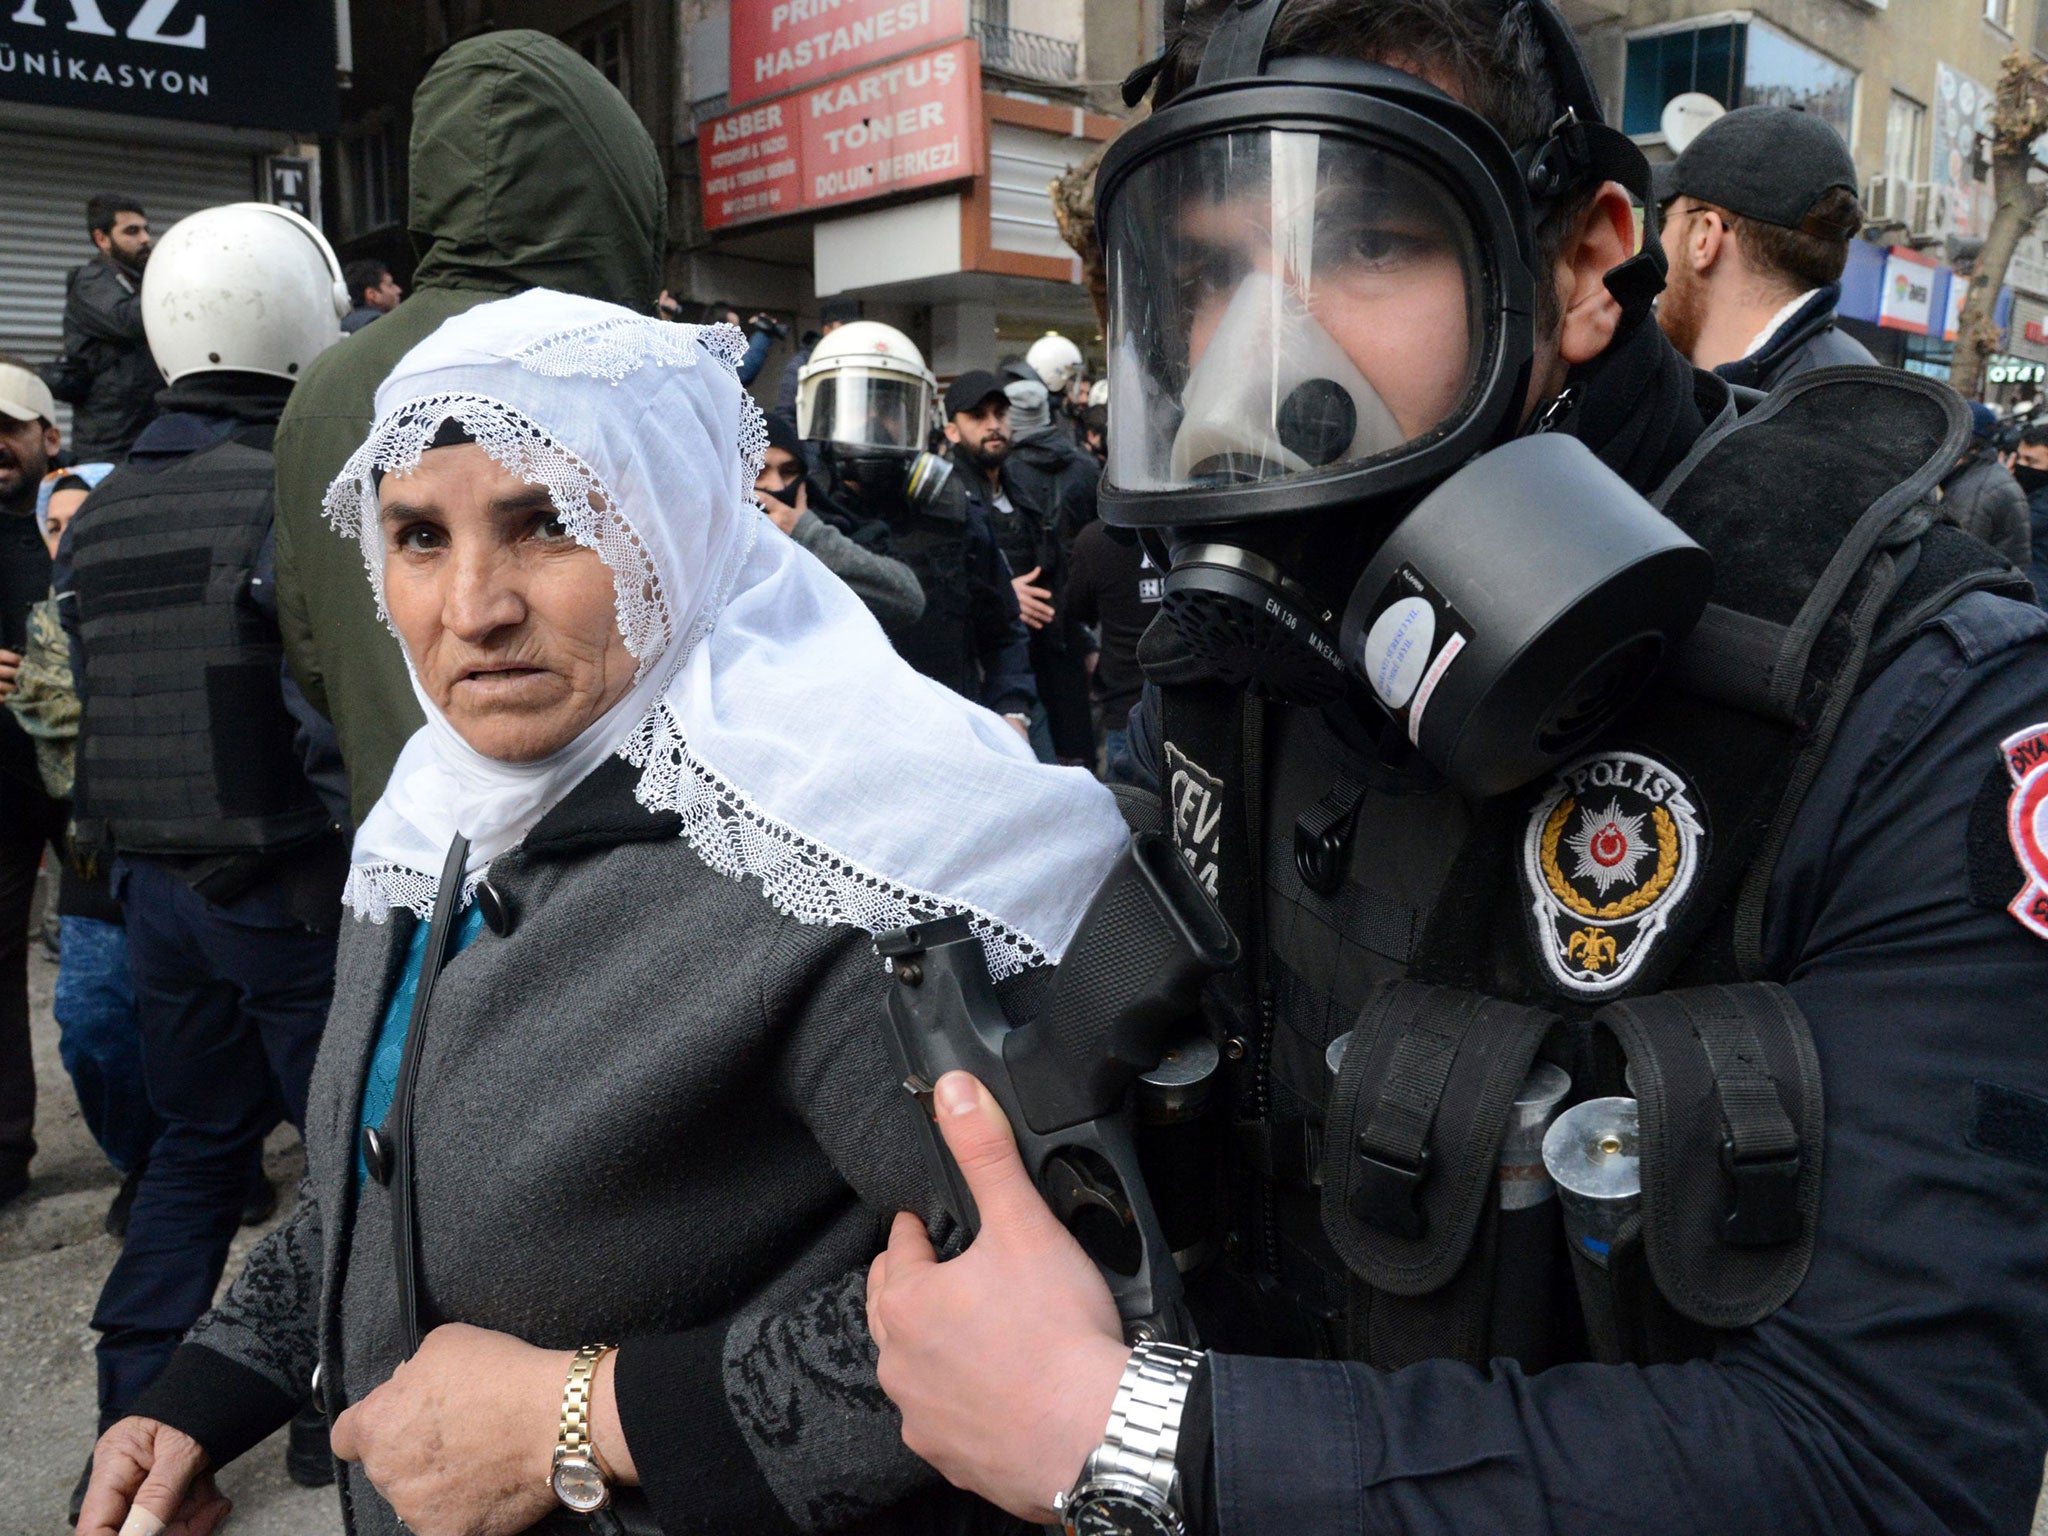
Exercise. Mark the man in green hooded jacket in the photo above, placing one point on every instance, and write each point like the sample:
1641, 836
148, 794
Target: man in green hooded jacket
528, 170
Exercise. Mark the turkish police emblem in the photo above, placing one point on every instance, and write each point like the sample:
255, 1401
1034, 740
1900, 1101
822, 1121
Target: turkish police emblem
1611, 851
2026, 822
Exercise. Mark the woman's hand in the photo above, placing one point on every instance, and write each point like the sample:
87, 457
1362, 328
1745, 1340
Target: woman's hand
461, 1439
148, 1478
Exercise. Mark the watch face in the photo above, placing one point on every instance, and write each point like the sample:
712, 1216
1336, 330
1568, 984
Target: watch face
1107, 1512
579, 1484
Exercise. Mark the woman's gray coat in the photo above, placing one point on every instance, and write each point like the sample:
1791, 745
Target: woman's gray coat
655, 1112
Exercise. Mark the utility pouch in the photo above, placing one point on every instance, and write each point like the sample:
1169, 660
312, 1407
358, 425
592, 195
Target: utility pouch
1729, 1112
1413, 1133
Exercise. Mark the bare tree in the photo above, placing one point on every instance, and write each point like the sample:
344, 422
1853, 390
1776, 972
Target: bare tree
2018, 119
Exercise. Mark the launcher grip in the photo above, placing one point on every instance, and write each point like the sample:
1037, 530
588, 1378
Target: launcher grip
1146, 945
1147, 942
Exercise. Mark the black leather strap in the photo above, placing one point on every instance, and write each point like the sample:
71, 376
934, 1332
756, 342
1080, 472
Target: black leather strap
398, 1119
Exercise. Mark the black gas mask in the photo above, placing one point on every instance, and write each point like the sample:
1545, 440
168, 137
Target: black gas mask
1322, 327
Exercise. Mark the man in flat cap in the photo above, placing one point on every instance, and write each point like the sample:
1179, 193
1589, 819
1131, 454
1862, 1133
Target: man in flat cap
1758, 215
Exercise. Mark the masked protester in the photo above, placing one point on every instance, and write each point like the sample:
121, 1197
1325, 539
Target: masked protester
865, 405
1579, 916
601, 1143
888, 587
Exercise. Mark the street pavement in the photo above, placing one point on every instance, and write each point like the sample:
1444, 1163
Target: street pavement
53, 1255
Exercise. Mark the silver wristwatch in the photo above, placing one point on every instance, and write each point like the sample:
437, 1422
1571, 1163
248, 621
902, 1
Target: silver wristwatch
1129, 1485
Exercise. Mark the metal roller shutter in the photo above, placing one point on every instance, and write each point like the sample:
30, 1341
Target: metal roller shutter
42, 215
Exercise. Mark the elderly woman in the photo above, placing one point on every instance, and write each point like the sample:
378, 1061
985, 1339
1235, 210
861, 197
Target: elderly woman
604, 1066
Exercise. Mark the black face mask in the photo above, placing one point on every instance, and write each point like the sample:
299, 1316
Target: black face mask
2030, 478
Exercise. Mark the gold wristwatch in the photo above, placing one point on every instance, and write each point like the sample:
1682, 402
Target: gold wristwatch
579, 1478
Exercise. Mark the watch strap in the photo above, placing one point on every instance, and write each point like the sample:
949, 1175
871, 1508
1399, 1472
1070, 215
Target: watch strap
1145, 1418
576, 1437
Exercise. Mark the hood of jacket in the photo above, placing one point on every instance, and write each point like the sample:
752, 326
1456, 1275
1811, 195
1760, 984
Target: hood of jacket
529, 170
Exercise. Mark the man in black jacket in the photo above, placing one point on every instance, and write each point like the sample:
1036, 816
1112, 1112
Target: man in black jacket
1758, 215
107, 373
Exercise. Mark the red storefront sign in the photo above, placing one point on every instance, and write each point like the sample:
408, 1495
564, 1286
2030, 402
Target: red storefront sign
913, 123
779, 45
910, 123
748, 164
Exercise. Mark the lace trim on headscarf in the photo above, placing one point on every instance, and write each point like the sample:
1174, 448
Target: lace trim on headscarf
588, 510
800, 878
373, 890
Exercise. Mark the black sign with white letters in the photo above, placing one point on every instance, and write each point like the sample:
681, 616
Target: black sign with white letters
251, 63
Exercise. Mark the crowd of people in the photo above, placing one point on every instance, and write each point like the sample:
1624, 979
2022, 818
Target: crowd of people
466, 725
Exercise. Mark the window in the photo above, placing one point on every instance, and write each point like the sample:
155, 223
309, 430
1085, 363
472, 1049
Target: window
373, 180
603, 43
1999, 14
1739, 64
1905, 125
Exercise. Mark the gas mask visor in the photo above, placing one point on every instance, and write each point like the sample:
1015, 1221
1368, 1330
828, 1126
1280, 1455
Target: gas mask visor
863, 411
1303, 314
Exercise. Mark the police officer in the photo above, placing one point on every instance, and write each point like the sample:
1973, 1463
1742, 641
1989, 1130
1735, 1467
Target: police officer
198, 763
1762, 894
1022, 512
864, 405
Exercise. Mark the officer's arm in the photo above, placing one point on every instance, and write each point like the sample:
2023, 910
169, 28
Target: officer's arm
1905, 1386
104, 307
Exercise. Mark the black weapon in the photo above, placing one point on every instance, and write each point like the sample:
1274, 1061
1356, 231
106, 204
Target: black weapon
1147, 943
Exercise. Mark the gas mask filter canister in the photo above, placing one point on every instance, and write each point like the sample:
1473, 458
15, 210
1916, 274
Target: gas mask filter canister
1519, 609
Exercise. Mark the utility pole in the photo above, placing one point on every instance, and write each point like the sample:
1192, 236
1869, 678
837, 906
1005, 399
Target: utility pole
2019, 117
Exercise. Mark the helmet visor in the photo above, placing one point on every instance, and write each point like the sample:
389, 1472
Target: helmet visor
861, 408
1285, 304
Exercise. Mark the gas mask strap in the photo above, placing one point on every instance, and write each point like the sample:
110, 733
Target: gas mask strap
1237, 48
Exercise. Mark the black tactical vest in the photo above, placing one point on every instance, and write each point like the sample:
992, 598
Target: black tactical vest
186, 746
1639, 868
933, 542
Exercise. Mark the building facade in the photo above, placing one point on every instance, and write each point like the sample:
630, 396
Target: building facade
1909, 85
895, 151
176, 107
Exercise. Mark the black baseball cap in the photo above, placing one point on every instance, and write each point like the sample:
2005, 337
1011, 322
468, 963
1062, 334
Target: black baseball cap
971, 388
1771, 164
782, 434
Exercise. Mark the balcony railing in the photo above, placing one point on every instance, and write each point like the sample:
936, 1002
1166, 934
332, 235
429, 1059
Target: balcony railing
1031, 55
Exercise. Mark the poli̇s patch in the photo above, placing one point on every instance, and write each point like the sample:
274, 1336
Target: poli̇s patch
1610, 852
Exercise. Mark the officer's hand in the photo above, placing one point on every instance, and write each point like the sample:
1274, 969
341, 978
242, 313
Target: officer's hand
461, 1439
10, 672
1035, 601
148, 1478
1004, 1360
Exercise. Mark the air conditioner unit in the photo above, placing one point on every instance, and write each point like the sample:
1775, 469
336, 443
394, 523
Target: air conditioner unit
1916, 205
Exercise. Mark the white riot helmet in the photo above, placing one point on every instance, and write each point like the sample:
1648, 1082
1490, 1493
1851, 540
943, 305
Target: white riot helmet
1098, 392
866, 392
242, 288
1056, 360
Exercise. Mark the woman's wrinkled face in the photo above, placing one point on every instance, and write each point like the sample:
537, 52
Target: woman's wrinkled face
509, 622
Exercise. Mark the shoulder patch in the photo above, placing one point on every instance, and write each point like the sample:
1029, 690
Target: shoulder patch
1611, 850
2026, 822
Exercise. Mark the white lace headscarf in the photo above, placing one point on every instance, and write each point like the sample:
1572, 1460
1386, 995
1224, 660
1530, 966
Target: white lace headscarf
768, 710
